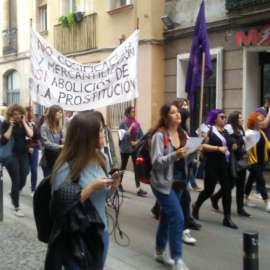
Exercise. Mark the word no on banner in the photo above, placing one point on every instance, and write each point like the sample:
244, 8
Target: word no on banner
56, 79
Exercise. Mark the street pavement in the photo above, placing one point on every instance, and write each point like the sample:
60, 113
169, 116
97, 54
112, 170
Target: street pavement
217, 247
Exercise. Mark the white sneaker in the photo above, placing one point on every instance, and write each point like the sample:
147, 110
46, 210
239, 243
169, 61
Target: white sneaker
268, 207
257, 195
163, 258
18, 212
179, 265
32, 193
186, 237
249, 203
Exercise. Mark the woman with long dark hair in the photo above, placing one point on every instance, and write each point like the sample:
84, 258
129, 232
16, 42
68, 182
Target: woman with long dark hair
51, 138
132, 135
217, 165
82, 162
257, 156
168, 178
235, 129
15, 125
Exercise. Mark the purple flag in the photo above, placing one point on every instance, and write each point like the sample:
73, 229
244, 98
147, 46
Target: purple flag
198, 46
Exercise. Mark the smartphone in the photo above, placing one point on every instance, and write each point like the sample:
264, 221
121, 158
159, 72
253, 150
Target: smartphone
116, 174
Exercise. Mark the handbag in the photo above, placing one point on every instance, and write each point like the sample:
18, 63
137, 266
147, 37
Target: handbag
242, 164
6, 151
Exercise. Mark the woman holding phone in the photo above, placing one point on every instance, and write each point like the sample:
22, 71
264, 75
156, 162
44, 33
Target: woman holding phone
15, 125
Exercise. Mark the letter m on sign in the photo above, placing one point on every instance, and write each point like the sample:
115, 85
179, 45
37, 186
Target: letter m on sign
245, 40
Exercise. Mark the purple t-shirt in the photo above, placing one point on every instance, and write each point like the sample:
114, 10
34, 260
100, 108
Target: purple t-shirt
267, 130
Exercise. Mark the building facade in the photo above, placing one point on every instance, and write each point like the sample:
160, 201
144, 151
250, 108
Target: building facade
98, 28
239, 41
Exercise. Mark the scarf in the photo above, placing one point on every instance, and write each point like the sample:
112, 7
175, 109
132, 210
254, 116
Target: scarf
224, 143
135, 129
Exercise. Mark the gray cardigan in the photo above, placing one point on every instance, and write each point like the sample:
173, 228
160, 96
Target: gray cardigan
47, 141
162, 163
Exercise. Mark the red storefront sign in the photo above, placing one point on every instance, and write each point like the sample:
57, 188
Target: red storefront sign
253, 37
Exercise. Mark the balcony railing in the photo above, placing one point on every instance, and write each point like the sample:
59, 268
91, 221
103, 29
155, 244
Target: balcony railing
235, 4
10, 41
81, 37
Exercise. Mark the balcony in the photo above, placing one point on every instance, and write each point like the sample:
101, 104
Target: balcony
233, 4
10, 41
81, 37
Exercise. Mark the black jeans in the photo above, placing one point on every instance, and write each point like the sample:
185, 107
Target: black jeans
185, 204
17, 170
212, 175
256, 174
239, 182
124, 161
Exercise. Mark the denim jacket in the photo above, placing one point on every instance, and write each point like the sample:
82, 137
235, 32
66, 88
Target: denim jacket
125, 143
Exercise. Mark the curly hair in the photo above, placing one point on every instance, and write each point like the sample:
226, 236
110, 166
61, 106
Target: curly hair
12, 108
212, 116
253, 120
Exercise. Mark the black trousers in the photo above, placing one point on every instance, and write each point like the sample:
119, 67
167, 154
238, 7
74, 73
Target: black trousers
185, 204
124, 161
212, 175
256, 174
17, 170
239, 182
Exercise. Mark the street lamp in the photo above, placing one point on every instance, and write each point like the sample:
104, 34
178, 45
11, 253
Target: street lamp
168, 22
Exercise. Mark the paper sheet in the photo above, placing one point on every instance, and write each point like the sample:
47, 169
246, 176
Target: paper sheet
121, 133
193, 143
204, 128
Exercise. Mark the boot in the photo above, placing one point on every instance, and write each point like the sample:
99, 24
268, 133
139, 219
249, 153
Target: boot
229, 223
155, 210
195, 211
214, 203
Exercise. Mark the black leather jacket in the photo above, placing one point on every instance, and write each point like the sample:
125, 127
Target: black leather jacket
77, 231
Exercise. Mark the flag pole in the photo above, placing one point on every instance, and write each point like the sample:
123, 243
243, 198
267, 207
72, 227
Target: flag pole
201, 104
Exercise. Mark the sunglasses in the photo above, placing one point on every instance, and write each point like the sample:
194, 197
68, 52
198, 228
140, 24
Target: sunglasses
223, 117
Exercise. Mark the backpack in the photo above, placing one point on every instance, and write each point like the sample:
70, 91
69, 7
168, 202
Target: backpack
143, 161
41, 207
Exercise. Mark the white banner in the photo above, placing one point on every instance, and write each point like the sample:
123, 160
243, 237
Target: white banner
56, 79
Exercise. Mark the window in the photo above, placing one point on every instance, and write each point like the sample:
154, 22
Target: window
113, 4
43, 19
13, 87
75, 5
117, 113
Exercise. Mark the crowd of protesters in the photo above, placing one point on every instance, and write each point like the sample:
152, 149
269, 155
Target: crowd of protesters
80, 148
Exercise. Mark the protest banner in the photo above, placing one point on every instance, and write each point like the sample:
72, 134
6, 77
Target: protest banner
56, 79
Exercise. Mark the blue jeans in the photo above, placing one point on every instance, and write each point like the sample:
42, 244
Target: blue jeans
33, 165
105, 239
46, 171
171, 224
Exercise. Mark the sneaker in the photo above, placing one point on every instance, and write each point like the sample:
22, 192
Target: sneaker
12, 202
186, 237
198, 189
267, 208
257, 195
18, 212
249, 203
141, 193
32, 193
243, 213
155, 211
193, 225
163, 258
179, 265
